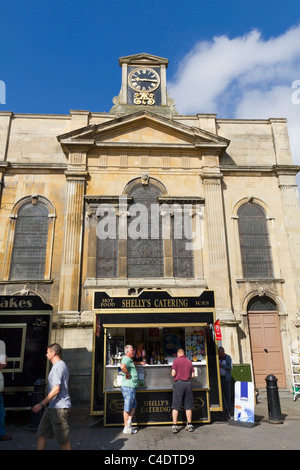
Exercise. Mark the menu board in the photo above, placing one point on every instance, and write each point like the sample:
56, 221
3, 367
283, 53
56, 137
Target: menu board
195, 346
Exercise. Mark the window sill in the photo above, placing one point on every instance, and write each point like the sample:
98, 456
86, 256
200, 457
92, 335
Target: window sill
25, 281
266, 280
145, 282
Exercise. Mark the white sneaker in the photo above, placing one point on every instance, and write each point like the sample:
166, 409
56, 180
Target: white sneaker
127, 430
174, 429
189, 427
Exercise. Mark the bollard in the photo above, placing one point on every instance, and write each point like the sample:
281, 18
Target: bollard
37, 396
274, 409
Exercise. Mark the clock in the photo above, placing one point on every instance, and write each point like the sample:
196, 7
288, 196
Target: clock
144, 79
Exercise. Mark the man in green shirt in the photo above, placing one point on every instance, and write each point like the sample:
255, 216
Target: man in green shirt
129, 384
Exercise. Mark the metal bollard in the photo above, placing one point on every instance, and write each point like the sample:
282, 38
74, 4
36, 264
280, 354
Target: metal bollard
37, 396
275, 416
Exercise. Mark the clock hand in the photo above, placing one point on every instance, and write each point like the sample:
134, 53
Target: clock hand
145, 80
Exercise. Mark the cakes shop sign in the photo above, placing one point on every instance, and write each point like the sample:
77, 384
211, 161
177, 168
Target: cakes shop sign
22, 303
153, 300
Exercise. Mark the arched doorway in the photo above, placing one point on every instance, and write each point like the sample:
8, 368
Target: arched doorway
266, 349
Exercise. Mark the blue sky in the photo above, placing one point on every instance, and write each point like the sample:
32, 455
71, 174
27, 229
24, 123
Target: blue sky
242, 56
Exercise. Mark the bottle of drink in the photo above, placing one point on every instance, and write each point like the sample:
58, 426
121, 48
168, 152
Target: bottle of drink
162, 359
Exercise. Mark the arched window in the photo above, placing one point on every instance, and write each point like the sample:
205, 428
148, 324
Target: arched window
145, 234
262, 304
145, 256
30, 242
31, 231
254, 242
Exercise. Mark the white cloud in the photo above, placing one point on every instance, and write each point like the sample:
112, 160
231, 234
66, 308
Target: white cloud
244, 77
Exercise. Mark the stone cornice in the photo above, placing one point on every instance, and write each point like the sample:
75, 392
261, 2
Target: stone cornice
286, 169
278, 169
106, 199
181, 200
3, 165
260, 281
33, 166
76, 175
143, 59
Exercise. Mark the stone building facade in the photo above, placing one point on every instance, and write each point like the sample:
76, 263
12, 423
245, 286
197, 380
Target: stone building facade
232, 181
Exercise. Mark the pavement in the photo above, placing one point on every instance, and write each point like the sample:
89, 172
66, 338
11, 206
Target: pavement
88, 433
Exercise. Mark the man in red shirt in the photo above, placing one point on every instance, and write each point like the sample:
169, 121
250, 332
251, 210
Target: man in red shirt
182, 371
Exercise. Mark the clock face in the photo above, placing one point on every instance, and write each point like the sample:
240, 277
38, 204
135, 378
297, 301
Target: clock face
144, 80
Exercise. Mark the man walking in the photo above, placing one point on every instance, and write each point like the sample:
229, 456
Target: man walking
54, 422
129, 383
182, 371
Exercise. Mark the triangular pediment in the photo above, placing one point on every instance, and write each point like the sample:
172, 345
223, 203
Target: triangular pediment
143, 129
143, 59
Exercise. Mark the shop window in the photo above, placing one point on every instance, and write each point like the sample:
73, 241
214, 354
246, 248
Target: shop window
254, 242
14, 335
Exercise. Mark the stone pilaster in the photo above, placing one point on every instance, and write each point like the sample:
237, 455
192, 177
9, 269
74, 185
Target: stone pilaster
291, 210
69, 293
290, 201
215, 243
5, 126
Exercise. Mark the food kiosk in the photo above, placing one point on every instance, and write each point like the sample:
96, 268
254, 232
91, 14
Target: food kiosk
163, 324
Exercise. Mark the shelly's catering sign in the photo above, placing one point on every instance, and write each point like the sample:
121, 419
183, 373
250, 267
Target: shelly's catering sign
153, 407
153, 300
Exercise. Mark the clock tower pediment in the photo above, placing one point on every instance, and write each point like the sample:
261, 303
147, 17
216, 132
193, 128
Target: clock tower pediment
143, 59
144, 129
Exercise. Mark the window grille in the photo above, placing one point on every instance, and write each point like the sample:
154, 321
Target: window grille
107, 258
254, 242
261, 304
30, 242
145, 256
183, 257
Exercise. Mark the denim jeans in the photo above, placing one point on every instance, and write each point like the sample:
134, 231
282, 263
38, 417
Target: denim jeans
2, 417
129, 398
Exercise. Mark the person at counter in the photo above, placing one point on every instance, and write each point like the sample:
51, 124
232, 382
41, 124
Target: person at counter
140, 354
129, 383
182, 371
